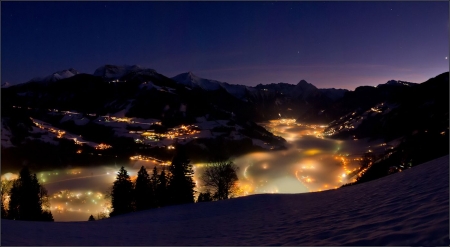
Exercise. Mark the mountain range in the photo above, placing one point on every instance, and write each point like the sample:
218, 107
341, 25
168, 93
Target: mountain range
416, 114
141, 92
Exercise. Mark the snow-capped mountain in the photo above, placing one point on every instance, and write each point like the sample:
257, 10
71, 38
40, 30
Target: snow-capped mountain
117, 72
59, 75
398, 83
190, 80
302, 101
193, 81
5, 84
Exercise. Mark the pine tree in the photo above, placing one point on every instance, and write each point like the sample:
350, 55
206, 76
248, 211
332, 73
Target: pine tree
91, 218
181, 183
143, 192
47, 215
121, 194
4, 213
27, 197
162, 194
154, 180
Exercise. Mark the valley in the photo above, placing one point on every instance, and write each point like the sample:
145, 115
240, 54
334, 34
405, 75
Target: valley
75, 131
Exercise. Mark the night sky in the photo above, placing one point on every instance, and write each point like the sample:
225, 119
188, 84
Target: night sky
328, 44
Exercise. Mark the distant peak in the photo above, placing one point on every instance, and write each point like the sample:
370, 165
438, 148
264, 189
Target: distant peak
303, 82
5, 84
118, 71
191, 74
397, 83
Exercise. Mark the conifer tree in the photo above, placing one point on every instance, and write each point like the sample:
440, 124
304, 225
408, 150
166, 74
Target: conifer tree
181, 183
162, 190
91, 218
4, 213
121, 194
143, 192
154, 180
27, 197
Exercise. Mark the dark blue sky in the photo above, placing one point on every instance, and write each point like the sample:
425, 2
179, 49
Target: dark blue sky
329, 44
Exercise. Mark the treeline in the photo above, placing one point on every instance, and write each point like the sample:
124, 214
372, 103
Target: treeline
26, 199
172, 186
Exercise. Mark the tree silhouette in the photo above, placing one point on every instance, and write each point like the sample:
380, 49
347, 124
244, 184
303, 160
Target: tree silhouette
5, 190
221, 178
205, 197
162, 195
4, 213
181, 184
154, 181
91, 218
121, 194
143, 192
27, 197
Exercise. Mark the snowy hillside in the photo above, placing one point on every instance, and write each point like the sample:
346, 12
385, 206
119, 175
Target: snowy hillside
5, 84
117, 72
398, 83
59, 75
407, 208
193, 81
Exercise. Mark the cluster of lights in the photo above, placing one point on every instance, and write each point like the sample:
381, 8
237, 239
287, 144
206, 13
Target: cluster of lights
78, 142
181, 132
102, 146
376, 109
148, 158
69, 201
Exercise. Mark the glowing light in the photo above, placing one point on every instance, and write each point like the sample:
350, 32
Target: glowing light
312, 152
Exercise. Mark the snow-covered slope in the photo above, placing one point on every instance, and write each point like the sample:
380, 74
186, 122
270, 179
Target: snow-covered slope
407, 208
193, 81
59, 75
398, 83
5, 84
117, 72
6, 136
